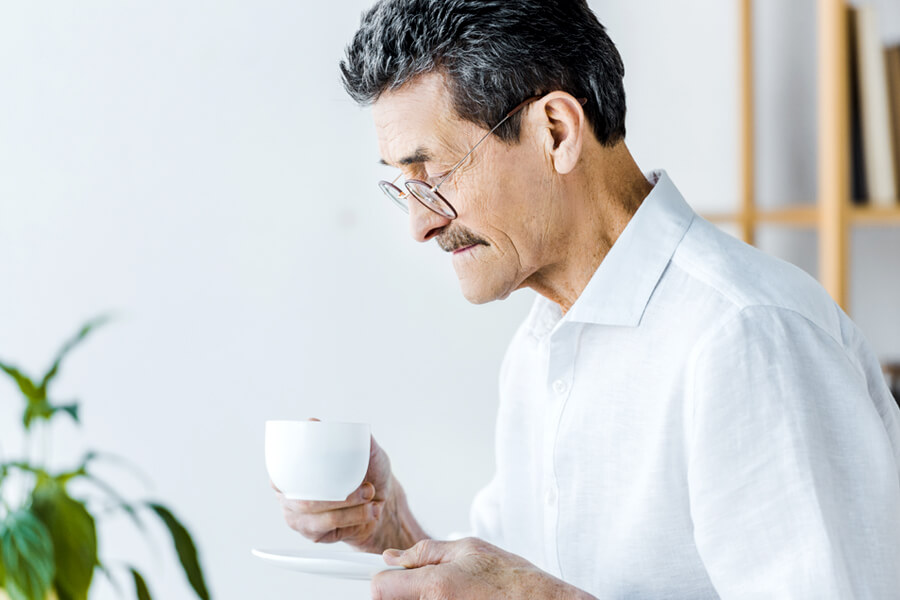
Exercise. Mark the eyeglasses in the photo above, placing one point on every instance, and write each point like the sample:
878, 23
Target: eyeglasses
427, 194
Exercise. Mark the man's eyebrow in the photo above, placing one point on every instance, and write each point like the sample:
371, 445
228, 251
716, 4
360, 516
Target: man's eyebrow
419, 156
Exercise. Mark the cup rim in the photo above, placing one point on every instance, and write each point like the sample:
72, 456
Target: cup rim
297, 421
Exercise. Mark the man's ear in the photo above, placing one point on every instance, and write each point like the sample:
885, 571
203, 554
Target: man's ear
563, 117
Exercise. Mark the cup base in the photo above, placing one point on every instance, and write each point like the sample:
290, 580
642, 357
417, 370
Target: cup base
311, 498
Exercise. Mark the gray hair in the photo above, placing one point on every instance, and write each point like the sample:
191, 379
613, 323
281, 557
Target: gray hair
494, 54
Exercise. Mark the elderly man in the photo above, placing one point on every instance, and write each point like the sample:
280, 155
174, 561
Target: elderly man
681, 416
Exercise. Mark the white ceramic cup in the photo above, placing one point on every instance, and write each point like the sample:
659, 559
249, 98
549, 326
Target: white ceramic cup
317, 460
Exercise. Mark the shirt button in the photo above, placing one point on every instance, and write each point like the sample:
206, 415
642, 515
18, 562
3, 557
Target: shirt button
550, 497
560, 387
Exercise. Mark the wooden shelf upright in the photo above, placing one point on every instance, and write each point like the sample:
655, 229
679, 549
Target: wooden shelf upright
833, 213
834, 148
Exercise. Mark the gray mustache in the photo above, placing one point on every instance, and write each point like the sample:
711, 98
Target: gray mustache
458, 238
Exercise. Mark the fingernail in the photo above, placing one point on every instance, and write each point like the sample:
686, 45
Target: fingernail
368, 493
393, 553
376, 511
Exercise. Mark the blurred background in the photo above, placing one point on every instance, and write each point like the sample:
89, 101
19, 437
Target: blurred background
197, 170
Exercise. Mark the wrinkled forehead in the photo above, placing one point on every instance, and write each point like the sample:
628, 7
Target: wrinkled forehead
416, 123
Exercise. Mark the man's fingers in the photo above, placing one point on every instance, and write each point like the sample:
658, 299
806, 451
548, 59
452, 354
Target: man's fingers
342, 518
361, 495
425, 552
346, 517
400, 585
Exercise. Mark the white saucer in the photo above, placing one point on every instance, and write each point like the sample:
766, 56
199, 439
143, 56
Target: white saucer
331, 563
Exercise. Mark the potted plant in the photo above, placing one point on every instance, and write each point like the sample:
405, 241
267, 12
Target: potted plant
48, 539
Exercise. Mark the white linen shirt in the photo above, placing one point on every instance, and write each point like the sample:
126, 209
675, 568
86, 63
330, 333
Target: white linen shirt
704, 422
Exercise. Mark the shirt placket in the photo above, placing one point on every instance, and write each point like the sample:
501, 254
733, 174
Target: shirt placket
561, 367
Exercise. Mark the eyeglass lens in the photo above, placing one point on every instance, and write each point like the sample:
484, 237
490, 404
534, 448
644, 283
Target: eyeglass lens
431, 198
394, 193
421, 191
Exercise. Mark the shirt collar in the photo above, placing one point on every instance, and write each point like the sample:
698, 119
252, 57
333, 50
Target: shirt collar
619, 290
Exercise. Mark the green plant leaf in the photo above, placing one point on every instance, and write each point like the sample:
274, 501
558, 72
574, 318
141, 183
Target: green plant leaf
74, 536
26, 550
36, 405
68, 346
26, 386
24, 466
71, 409
62, 595
79, 471
82, 471
184, 546
37, 408
120, 502
111, 458
140, 586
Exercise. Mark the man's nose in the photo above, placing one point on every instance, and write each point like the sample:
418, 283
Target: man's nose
424, 223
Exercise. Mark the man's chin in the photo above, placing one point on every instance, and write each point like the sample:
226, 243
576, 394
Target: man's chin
477, 299
483, 281
481, 294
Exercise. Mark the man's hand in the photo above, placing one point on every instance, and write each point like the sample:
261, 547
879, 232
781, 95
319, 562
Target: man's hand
375, 516
471, 569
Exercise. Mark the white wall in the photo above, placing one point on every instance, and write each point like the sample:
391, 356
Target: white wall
197, 169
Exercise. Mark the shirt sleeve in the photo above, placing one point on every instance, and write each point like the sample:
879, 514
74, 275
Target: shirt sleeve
794, 485
484, 516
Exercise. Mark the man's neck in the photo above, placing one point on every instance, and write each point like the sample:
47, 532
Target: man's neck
609, 202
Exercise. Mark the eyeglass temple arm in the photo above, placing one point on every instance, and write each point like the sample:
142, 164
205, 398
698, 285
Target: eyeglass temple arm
583, 101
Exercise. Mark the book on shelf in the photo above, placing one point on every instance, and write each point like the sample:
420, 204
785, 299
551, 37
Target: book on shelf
892, 374
859, 187
892, 61
875, 167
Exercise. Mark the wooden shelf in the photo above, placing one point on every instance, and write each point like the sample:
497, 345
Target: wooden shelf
807, 215
831, 213
804, 215
872, 215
